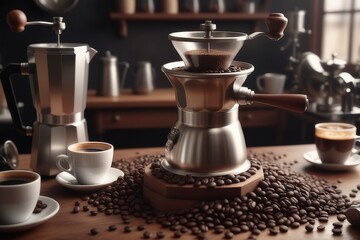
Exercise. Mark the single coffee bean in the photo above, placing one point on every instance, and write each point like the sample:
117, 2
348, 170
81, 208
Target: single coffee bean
309, 227
140, 227
147, 235
228, 235
336, 231
341, 217
177, 234
337, 224
112, 228
127, 229
160, 235
94, 231
321, 227
283, 228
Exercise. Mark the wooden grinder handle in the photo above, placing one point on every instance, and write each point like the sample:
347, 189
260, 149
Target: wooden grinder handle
292, 102
17, 20
276, 23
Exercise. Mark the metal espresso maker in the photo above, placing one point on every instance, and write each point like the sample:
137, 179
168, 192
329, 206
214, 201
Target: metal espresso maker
58, 74
207, 139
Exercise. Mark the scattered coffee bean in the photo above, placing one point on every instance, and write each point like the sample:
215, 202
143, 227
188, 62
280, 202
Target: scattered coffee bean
147, 235
283, 228
337, 224
321, 227
76, 209
127, 229
336, 231
39, 207
94, 231
160, 235
140, 227
341, 217
228, 235
112, 228
309, 227
177, 234
273, 231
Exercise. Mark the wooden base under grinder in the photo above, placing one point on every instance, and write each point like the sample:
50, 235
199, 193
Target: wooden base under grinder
167, 197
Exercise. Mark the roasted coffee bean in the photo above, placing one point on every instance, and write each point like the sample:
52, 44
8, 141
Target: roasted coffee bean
337, 224
37, 210
112, 228
337, 231
94, 231
140, 227
147, 235
127, 229
160, 235
321, 227
273, 231
309, 227
177, 234
228, 235
283, 228
341, 217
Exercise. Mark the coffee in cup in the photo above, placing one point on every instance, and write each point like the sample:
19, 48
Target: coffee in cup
19, 193
88, 162
335, 141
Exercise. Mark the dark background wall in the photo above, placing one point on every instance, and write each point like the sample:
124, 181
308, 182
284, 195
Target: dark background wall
89, 22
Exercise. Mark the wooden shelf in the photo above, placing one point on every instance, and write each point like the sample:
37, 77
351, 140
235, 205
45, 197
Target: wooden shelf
123, 18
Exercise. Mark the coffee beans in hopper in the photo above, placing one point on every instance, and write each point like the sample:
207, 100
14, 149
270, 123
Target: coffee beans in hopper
283, 200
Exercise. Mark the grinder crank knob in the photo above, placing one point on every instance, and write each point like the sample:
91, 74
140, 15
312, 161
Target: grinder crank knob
17, 20
276, 24
292, 102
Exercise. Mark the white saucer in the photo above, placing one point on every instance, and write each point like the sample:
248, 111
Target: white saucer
313, 158
69, 181
35, 218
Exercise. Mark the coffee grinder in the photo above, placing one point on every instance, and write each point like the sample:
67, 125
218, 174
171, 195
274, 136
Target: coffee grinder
58, 74
207, 140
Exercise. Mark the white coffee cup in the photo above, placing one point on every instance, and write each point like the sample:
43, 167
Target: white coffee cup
19, 193
271, 83
335, 141
88, 162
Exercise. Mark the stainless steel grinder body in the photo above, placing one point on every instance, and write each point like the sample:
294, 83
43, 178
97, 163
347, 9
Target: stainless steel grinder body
207, 139
58, 80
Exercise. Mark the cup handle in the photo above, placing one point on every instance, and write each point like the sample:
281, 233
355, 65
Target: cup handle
60, 160
259, 83
356, 148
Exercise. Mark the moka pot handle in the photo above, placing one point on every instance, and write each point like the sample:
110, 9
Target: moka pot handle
5, 76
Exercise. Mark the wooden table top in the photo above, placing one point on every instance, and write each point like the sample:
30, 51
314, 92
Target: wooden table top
67, 225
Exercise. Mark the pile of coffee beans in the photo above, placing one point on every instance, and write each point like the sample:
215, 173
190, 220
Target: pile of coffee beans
283, 200
211, 182
230, 69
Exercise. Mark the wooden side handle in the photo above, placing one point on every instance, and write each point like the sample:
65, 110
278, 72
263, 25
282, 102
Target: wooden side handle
17, 20
276, 23
292, 102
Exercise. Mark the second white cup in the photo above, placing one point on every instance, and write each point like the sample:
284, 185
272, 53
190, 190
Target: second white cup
271, 83
88, 162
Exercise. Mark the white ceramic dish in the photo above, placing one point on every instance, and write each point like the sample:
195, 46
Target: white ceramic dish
69, 181
36, 218
313, 158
